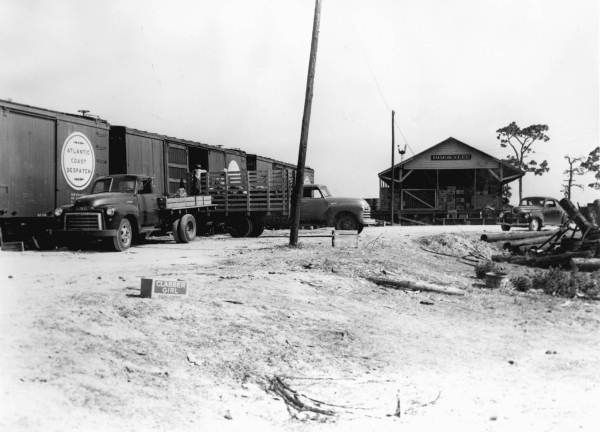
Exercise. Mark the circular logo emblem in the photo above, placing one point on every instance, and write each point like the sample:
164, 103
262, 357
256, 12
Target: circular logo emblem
78, 161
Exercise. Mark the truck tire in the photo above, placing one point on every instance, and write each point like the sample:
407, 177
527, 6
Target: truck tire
240, 227
346, 221
187, 228
258, 226
122, 241
175, 231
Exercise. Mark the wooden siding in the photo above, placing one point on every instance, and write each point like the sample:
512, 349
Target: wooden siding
216, 160
27, 164
145, 156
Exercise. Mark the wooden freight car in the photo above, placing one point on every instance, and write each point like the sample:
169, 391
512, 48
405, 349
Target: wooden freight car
47, 159
169, 160
255, 162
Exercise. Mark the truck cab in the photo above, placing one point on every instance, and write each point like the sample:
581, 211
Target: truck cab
320, 207
125, 207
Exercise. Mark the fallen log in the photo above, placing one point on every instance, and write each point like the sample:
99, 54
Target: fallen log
544, 260
527, 241
585, 264
515, 235
415, 286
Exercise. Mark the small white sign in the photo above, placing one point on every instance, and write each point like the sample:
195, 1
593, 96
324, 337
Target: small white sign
78, 161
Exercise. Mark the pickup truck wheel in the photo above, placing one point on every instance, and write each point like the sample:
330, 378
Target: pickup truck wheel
535, 225
175, 231
122, 241
346, 221
241, 227
187, 228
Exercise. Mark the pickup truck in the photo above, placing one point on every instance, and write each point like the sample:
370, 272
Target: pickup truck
533, 213
319, 207
124, 208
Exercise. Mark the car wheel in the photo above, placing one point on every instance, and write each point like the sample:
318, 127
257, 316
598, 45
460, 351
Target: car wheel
346, 221
535, 225
187, 228
122, 241
505, 227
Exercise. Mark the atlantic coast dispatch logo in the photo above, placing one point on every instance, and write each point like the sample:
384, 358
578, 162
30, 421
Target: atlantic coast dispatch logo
78, 161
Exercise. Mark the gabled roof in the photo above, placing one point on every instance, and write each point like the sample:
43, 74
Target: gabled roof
511, 170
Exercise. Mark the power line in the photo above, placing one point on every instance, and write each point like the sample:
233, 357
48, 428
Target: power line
378, 86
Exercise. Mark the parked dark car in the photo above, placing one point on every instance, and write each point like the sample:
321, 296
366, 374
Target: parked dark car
533, 213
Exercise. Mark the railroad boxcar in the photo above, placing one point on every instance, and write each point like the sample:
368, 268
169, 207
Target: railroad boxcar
47, 159
262, 163
167, 159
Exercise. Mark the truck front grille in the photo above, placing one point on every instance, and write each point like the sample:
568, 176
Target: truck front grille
83, 221
366, 214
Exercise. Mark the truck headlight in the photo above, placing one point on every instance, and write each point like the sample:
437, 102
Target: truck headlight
501, 215
110, 211
58, 211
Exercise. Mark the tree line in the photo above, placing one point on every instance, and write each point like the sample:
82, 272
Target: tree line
521, 142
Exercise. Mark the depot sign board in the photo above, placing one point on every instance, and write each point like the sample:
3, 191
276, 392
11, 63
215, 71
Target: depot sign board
78, 161
452, 157
162, 287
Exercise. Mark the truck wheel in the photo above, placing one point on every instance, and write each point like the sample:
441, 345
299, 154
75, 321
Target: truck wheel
175, 231
240, 227
187, 228
258, 227
505, 227
346, 221
535, 225
122, 241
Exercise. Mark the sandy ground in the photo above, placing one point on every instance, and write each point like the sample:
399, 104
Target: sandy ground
81, 351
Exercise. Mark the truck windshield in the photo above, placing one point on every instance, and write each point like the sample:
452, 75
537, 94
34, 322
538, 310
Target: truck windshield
115, 184
325, 191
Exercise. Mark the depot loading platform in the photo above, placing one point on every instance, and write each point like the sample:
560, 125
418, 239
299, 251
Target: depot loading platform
448, 183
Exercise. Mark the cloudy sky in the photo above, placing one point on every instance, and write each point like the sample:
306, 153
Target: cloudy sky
233, 72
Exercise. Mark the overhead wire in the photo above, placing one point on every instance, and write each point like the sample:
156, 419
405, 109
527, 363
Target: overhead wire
378, 86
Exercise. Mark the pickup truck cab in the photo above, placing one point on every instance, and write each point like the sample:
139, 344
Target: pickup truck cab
319, 207
533, 213
123, 208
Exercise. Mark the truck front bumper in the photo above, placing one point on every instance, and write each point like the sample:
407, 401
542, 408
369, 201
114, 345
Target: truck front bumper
64, 234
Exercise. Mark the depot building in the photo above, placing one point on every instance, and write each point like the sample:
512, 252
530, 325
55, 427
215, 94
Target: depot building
449, 182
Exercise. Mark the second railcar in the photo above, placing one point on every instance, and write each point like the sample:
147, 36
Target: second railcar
167, 159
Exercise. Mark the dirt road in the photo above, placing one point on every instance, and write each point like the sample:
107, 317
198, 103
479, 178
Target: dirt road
79, 350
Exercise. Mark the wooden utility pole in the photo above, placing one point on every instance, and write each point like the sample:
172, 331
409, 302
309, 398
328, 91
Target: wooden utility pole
297, 195
393, 188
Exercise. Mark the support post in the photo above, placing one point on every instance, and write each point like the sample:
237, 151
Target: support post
392, 174
297, 196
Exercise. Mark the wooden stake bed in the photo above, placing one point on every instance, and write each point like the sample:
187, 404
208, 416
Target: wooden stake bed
249, 191
189, 202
